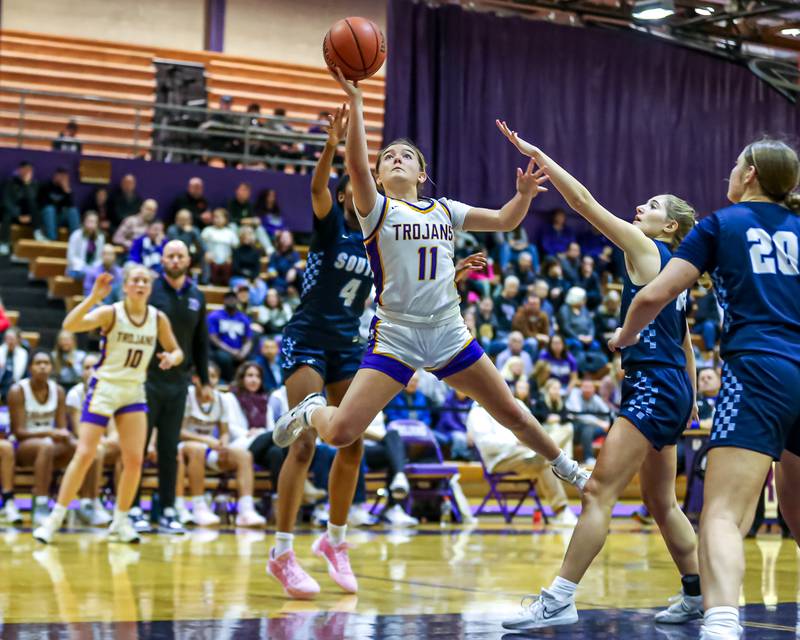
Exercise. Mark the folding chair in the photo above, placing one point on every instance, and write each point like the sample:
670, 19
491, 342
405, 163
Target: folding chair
525, 487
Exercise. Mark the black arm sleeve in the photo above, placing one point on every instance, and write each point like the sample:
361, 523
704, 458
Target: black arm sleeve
200, 344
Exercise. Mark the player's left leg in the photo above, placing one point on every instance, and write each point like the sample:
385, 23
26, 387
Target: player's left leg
132, 431
787, 480
482, 382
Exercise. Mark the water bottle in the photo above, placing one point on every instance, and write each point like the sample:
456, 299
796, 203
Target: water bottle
445, 511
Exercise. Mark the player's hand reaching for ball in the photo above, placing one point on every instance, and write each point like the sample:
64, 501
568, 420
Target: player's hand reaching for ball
465, 266
529, 182
525, 148
350, 88
167, 359
337, 126
102, 286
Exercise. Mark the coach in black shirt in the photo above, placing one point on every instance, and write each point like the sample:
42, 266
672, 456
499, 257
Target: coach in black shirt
185, 306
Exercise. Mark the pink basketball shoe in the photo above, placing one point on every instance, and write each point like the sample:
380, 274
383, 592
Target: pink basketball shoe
296, 583
338, 562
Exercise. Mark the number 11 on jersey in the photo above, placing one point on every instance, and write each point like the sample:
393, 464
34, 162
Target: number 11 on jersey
434, 251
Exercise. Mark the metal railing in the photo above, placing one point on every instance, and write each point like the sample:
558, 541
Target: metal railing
175, 133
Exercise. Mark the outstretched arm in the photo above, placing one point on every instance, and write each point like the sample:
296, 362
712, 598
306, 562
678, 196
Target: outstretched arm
679, 275
84, 317
321, 199
623, 234
365, 193
509, 217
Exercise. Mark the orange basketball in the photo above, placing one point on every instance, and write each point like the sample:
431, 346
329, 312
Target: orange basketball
355, 45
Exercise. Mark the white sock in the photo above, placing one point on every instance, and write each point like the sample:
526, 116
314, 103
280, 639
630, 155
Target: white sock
58, 513
180, 503
199, 501
336, 534
41, 501
562, 464
283, 542
85, 502
723, 619
562, 589
246, 503
119, 516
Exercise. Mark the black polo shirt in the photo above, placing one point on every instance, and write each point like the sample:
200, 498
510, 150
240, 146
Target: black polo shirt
186, 310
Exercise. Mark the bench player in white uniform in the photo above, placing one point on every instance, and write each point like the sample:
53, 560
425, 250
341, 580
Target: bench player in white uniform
410, 246
130, 329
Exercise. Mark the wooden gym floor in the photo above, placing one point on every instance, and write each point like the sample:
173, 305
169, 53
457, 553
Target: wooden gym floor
434, 582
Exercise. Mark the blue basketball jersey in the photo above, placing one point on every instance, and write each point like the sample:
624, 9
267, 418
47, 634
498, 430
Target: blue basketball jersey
336, 283
751, 251
660, 342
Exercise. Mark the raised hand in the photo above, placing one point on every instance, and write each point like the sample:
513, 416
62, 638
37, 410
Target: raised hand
475, 262
102, 286
337, 125
525, 148
350, 88
529, 183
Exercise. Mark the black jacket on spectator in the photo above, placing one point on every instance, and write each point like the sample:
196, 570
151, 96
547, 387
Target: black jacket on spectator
196, 205
571, 270
123, 206
238, 210
541, 411
19, 199
186, 310
246, 261
504, 311
52, 195
592, 287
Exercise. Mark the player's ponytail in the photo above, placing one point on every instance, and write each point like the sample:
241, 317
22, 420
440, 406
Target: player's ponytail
777, 170
683, 214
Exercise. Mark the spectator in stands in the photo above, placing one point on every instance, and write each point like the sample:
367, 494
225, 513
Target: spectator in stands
480, 281
591, 417
512, 244
501, 452
516, 344
706, 318
557, 284
451, 427
195, 202
512, 370
246, 266
523, 269
108, 264
505, 306
67, 360
708, 385
273, 314
186, 232
136, 225
611, 384
240, 208
532, 323
384, 449
98, 203
562, 364
606, 318
36, 406
589, 282
593, 243
5, 323
571, 263
19, 204
576, 324
409, 404
522, 392
284, 265
269, 211
542, 291
67, 139
486, 323
125, 202
551, 411
220, 240
149, 246
56, 205
287, 149
206, 443
13, 361
252, 399
231, 335
555, 237
269, 361
85, 246
258, 146
91, 510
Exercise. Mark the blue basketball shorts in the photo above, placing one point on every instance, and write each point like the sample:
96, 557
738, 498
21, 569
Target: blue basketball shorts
759, 405
334, 365
658, 402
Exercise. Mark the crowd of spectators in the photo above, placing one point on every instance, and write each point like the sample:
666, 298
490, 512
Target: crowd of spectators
543, 308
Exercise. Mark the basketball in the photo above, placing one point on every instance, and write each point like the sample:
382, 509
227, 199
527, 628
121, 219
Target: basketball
355, 45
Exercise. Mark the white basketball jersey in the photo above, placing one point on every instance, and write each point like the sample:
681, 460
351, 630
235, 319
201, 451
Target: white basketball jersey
411, 247
204, 419
128, 347
40, 416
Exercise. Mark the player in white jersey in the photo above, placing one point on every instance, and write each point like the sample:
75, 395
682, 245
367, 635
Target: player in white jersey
39, 423
130, 329
410, 245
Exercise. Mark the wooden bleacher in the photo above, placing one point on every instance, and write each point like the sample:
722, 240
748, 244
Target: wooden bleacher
79, 66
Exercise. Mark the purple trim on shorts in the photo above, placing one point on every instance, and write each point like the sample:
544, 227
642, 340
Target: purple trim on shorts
468, 356
94, 418
395, 369
132, 408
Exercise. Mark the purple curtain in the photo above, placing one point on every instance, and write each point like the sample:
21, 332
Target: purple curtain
628, 116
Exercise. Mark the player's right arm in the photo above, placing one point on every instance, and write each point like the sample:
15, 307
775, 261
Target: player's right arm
321, 200
365, 193
84, 317
638, 248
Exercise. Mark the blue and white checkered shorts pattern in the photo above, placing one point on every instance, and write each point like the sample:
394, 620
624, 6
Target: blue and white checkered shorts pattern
727, 407
645, 399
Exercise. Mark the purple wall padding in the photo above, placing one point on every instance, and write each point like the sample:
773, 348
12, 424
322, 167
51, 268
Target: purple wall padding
215, 25
165, 182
